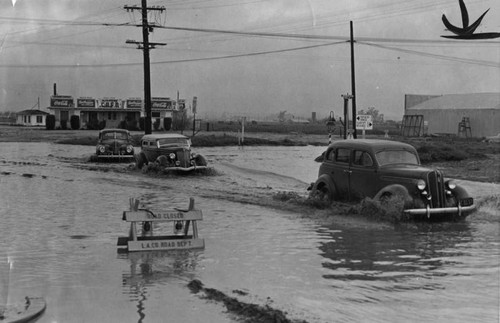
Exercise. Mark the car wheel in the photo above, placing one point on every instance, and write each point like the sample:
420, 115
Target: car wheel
93, 158
393, 201
322, 193
200, 161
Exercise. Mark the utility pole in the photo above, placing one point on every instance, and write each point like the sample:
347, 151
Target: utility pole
346, 97
353, 84
145, 45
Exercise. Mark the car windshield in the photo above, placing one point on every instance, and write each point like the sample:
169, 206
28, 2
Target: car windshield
173, 142
389, 157
114, 135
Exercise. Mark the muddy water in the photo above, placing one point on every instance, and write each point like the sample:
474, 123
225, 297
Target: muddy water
61, 216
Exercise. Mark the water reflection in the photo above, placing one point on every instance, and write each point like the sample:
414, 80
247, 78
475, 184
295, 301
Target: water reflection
152, 269
392, 255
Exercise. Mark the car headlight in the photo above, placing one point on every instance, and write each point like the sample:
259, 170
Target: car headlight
102, 149
130, 149
421, 184
172, 155
451, 185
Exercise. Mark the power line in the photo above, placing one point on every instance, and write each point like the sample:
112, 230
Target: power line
172, 61
437, 56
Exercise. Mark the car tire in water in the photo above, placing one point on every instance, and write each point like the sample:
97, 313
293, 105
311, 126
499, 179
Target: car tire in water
322, 192
200, 161
392, 201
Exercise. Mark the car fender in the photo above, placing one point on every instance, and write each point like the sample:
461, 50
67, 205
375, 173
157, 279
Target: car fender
460, 192
200, 160
325, 180
394, 190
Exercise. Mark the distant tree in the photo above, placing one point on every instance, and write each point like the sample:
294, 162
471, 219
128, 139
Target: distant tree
167, 123
181, 120
376, 116
156, 124
74, 122
50, 122
141, 123
281, 116
64, 124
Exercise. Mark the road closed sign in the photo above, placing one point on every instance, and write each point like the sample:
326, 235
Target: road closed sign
364, 121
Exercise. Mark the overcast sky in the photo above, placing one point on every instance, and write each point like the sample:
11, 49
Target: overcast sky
257, 72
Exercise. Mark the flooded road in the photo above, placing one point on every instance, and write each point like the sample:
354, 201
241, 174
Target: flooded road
61, 217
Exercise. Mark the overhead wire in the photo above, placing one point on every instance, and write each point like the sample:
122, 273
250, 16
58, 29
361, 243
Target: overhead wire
173, 61
303, 37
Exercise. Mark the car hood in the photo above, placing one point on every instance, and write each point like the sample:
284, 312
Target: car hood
171, 148
405, 170
112, 141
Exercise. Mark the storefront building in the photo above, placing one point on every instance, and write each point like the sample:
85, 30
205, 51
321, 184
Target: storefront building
110, 112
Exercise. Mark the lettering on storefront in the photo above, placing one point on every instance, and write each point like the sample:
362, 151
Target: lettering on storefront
86, 103
134, 103
110, 103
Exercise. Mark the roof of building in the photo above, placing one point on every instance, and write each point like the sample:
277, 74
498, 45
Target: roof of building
32, 112
461, 101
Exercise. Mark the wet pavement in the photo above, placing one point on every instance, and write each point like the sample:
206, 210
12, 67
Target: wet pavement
61, 217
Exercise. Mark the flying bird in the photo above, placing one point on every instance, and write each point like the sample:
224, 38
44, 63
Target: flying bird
467, 31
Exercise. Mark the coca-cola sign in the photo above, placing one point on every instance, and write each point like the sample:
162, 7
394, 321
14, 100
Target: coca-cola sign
62, 101
161, 103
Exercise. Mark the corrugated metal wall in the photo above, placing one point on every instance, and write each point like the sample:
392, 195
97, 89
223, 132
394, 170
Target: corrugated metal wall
483, 122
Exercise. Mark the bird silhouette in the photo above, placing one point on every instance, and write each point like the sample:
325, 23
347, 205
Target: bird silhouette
467, 31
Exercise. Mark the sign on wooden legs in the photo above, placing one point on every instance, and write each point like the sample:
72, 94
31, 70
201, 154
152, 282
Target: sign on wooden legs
148, 239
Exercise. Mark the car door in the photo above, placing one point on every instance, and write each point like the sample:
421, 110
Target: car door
340, 172
363, 175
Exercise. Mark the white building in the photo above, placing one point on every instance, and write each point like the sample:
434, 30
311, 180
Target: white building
441, 114
31, 118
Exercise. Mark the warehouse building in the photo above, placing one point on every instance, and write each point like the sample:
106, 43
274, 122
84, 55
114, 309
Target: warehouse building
469, 115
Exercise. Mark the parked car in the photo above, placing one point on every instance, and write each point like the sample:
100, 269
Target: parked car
114, 145
171, 151
385, 171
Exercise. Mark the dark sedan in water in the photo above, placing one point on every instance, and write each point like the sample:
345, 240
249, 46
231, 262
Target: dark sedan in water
171, 152
389, 172
114, 145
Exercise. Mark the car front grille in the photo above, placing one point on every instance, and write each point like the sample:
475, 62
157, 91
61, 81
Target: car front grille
436, 188
183, 156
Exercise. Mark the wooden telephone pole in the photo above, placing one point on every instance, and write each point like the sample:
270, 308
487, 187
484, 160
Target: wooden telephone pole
145, 45
353, 84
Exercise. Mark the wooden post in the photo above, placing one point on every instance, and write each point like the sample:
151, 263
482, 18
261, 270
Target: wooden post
353, 83
134, 205
190, 208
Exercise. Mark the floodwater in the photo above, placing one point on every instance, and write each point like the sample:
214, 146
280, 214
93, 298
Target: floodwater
61, 217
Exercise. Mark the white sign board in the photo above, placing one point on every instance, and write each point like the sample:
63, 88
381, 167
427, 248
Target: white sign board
364, 121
